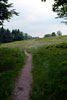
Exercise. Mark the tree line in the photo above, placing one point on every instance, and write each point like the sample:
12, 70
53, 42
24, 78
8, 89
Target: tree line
15, 35
59, 33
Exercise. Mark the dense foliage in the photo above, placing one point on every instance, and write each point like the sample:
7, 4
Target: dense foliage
5, 12
60, 6
15, 35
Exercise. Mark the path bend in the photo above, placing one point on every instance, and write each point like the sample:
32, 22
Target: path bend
23, 85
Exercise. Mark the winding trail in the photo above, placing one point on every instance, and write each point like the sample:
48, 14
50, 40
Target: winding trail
23, 85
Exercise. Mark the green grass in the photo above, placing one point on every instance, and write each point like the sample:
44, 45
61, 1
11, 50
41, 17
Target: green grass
49, 67
36, 42
0, 43
11, 62
49, 72
55, 39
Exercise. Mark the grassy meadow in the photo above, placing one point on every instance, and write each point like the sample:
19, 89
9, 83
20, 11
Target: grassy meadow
11, 62
49, 67
49, 72
25, 44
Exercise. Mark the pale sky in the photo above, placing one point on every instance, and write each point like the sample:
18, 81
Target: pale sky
36, 18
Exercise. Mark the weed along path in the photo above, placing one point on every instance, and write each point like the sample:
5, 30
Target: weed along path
23, 85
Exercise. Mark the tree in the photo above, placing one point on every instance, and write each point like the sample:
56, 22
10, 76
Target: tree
25, 36
5, 12
53, 34
2, 31
17, 35
47, 35
5, 35
59, 33
60, 6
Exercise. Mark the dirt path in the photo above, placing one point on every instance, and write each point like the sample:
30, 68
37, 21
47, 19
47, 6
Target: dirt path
23, 85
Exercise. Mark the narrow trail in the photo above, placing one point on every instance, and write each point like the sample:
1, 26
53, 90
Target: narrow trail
23, 85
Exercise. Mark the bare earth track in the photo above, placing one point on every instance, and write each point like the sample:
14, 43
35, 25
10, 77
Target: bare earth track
23, 85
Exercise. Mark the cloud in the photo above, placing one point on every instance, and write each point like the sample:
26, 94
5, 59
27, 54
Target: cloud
35, 18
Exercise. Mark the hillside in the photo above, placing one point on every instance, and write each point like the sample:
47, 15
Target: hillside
36, 42
49, 59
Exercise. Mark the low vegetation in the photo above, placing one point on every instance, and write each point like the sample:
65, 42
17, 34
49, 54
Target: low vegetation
11, 62
36, 42
49, 72
49, 67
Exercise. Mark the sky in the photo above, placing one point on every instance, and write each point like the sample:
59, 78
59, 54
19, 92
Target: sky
35, 18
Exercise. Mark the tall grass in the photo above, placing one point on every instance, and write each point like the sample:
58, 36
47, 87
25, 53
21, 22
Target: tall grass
49, 73
11, 62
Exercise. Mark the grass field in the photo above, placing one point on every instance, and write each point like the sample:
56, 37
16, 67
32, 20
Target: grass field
36, 42
49, 67
11, 62
49, 72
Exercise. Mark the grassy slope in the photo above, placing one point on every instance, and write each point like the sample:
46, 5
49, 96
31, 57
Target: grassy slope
50, 73
36, 42
13, 58
55, 39
11, 61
